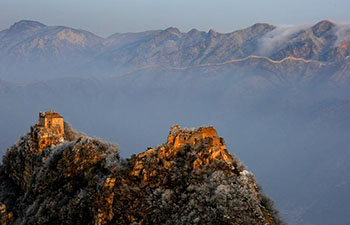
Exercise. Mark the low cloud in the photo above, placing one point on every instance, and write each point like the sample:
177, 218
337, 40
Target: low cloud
343, 33
276, 38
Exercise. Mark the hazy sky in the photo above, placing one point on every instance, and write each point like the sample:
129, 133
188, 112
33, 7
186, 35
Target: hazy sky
105, 17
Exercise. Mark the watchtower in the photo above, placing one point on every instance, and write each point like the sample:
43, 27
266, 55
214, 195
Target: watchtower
52, 121
49, 130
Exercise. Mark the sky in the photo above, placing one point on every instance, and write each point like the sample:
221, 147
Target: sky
105, 17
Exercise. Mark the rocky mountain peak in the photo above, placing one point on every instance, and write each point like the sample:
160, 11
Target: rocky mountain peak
212, 32
209, 147
49, 132
172, 31
202, 143
26, 24
323, 27
191, 178
262, 27
194, 32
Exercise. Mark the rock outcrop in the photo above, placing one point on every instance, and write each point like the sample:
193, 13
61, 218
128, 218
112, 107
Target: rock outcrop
191, 179
5, 217
47, 133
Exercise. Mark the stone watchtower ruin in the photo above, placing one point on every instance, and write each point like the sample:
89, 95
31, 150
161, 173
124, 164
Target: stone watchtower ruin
52, 121
49, 130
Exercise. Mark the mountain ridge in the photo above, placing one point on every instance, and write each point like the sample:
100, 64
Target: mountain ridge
64, 177
74, 51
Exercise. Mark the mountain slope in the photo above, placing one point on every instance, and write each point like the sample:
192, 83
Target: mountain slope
31, 50
190, 179
29, 38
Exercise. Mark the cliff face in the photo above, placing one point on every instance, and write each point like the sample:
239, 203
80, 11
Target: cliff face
191, 179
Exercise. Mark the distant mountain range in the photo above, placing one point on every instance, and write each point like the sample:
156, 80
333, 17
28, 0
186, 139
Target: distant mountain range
30, 50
